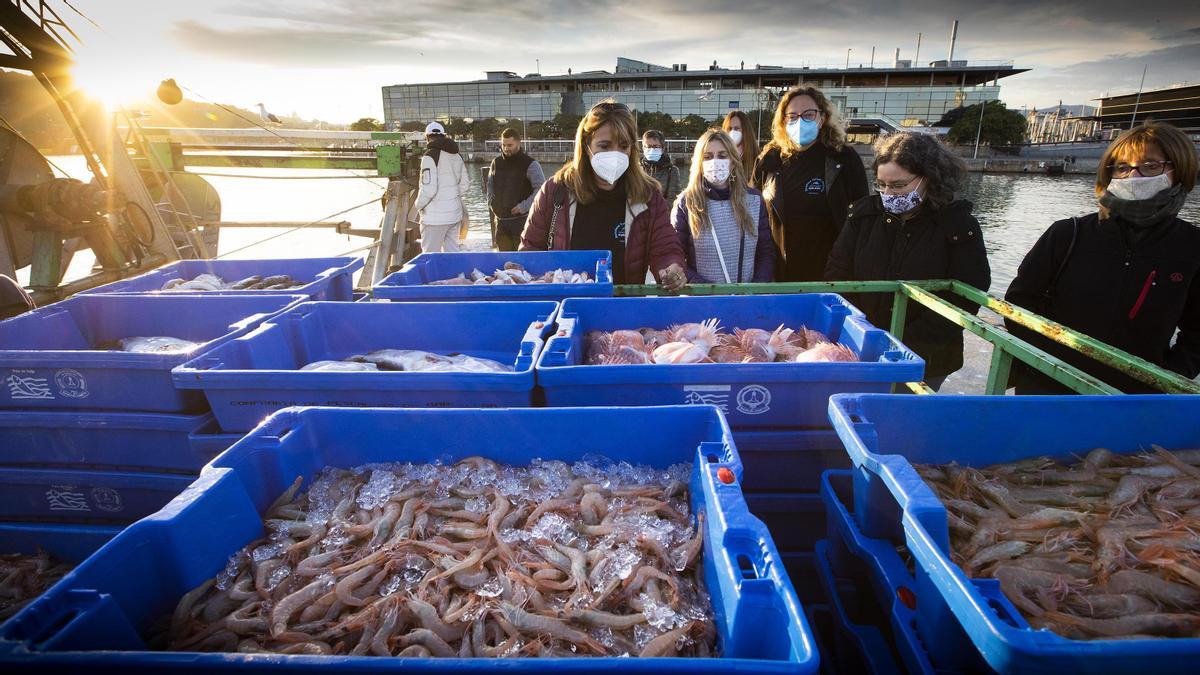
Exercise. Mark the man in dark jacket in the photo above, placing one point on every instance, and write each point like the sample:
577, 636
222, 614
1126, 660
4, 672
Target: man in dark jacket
658, 164
513, 180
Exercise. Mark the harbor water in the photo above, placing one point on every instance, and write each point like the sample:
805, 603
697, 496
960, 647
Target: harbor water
1013, 210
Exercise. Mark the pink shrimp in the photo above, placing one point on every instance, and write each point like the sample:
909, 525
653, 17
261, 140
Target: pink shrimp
756, 342
827, 352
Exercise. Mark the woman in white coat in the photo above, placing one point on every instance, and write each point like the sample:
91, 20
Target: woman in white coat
444, 182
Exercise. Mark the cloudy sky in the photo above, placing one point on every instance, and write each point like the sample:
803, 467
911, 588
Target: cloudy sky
328, 58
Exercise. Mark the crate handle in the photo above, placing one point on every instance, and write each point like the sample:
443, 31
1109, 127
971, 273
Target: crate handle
250, 320
75, 620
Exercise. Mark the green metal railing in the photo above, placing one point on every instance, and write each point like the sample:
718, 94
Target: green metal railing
1006, 347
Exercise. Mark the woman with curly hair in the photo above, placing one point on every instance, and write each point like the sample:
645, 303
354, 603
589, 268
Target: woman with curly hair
808, 176
914, 229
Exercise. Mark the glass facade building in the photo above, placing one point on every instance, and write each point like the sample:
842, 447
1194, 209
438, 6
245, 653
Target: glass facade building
891, 97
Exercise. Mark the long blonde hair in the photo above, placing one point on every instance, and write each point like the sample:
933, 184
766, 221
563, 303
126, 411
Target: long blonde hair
833, 131
578, 175
749, 140
694, 197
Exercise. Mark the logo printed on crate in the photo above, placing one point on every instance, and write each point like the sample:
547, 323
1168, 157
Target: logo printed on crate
107, 499
754, 399
65, 498
71, 383
22, 385
708, 394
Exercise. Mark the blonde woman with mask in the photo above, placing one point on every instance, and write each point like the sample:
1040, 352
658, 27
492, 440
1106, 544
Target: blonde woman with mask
604, 200
721, 221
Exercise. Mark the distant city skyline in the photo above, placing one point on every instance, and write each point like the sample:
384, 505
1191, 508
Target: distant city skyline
329, 59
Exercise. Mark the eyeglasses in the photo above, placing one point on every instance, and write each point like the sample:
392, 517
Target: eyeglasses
609, 106
810, 115
1148, 168
895, 186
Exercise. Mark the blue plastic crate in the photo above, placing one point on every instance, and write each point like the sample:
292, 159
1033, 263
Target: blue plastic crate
796, 521
106, 440
411, 282
788, 460
74, 496
49, 357
68, 543
883, 434
858, 646
109, 601
753, 395
800, 570
251, 377
325, 278
879, 567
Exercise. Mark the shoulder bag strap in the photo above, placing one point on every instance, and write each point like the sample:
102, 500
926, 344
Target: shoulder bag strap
1048, 294
560, 199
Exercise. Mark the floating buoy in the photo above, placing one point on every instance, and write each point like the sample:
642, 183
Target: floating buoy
169, 92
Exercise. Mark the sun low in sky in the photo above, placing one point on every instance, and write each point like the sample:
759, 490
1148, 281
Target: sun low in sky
328, 59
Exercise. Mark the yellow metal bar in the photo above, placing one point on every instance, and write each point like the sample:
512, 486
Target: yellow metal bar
1133, 366
1059, 370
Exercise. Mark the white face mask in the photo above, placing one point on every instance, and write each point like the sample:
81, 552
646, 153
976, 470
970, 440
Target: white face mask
716, 171
736, 135
610, 165
653, 154
1137, 188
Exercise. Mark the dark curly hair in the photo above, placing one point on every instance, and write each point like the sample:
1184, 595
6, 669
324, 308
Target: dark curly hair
926, 156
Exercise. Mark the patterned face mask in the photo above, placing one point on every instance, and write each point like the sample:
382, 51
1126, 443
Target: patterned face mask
898, 204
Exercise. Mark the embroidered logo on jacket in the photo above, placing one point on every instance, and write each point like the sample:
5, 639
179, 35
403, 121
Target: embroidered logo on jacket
815, 186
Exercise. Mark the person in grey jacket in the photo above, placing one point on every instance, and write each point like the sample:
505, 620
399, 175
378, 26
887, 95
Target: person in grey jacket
722, 223
658, 164
444, 182
513, 180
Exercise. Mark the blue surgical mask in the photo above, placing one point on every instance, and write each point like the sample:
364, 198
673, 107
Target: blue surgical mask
898, 204
653, 154
802, 132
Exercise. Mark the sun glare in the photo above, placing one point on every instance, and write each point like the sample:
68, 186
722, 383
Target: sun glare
110, 82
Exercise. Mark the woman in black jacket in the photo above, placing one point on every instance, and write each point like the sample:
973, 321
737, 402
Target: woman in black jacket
1128, 275
808, 176
914, 229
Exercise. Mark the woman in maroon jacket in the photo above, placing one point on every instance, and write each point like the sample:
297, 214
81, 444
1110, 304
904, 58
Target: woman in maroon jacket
603, 200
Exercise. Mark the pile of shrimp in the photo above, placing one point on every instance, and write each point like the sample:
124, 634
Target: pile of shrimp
472, 559
23, 577
706, 342
1104, 548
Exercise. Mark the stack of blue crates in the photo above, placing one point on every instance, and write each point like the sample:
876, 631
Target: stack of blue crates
888, 533
98, 617
253, 375
94, 436
777, 411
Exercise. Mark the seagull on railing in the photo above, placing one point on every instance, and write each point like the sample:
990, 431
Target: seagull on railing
266, 116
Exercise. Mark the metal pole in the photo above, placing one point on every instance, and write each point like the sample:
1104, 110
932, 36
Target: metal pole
1138, 100
917, 54
848, 58
979, 129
